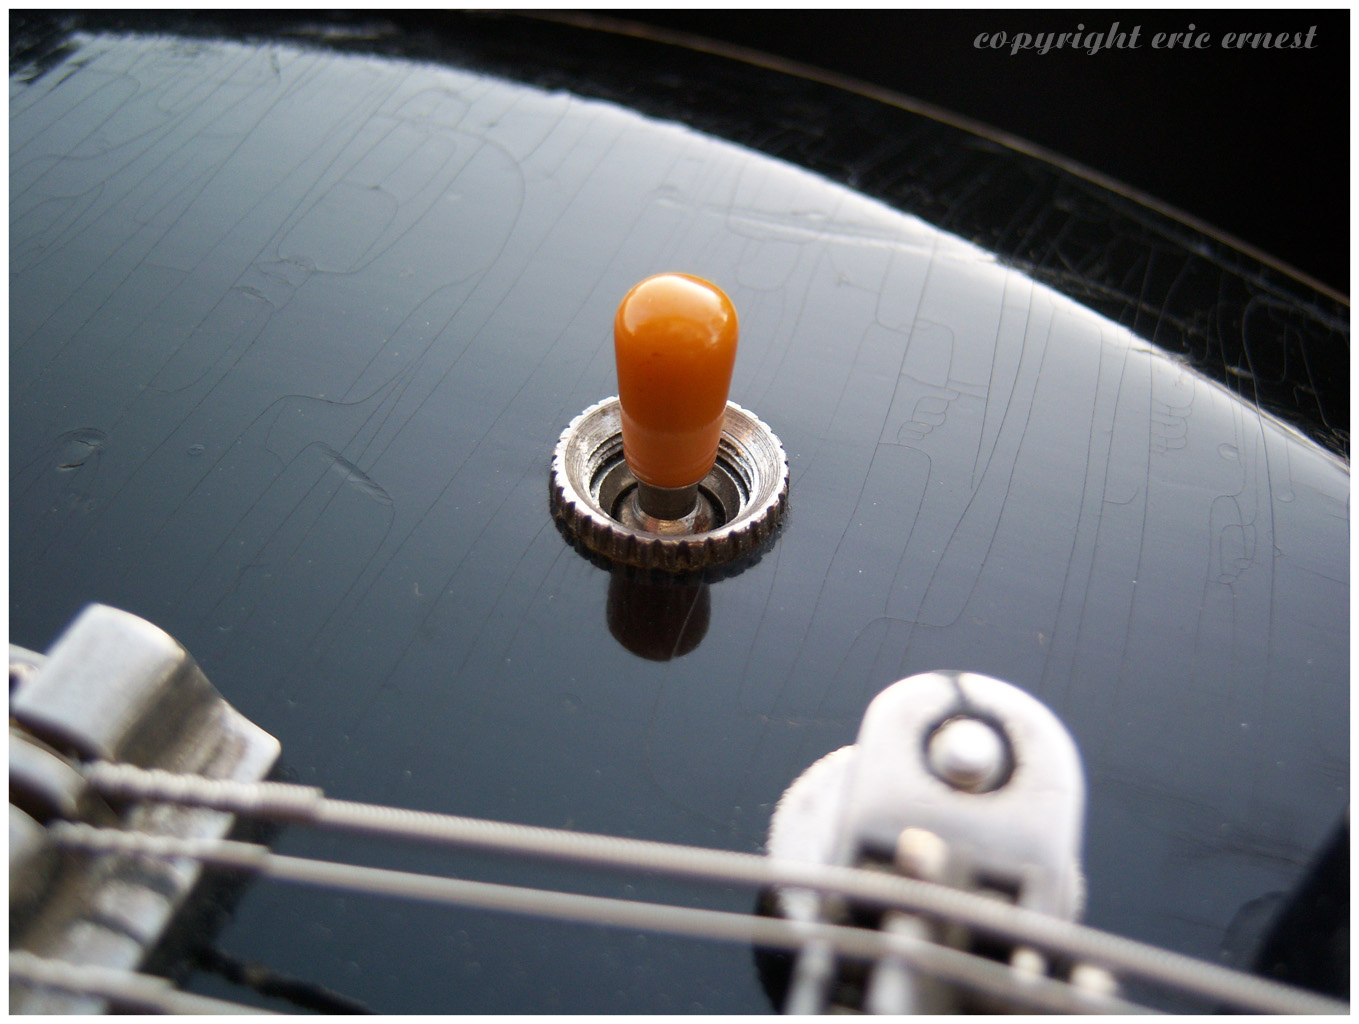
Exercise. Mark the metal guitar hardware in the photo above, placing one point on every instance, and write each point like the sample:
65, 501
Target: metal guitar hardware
956, 778
113, 687
741, 501
941, 850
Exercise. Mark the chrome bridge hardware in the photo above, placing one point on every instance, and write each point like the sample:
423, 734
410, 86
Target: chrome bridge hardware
112, 687
103, 851
957, 779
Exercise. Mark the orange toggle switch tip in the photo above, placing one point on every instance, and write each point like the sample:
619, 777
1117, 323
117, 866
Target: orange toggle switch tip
675, 345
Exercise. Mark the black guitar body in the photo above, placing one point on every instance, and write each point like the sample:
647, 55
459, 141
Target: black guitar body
299, 311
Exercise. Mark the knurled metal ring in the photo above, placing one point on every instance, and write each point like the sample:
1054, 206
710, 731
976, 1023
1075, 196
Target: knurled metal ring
747, 488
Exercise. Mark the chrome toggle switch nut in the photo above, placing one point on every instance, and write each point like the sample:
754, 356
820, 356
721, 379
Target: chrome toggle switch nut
741, 501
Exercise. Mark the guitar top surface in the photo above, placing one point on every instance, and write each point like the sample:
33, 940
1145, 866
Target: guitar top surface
294, 328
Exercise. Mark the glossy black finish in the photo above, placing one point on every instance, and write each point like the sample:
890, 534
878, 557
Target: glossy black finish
1278, 342
294, 332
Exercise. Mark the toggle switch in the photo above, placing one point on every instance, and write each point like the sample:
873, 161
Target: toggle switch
670, 475
675, 345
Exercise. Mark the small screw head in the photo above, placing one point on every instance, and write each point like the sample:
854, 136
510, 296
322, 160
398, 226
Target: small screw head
921, 854
968, 754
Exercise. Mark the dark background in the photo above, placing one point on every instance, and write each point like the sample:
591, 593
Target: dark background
1253, 142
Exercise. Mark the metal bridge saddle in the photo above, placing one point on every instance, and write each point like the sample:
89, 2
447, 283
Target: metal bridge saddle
956, 778
116, 688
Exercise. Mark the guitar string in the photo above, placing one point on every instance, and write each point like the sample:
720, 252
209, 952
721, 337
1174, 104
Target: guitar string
303, 804
969, 970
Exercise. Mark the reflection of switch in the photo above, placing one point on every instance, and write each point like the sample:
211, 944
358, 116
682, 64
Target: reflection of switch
657, 619
675, 344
